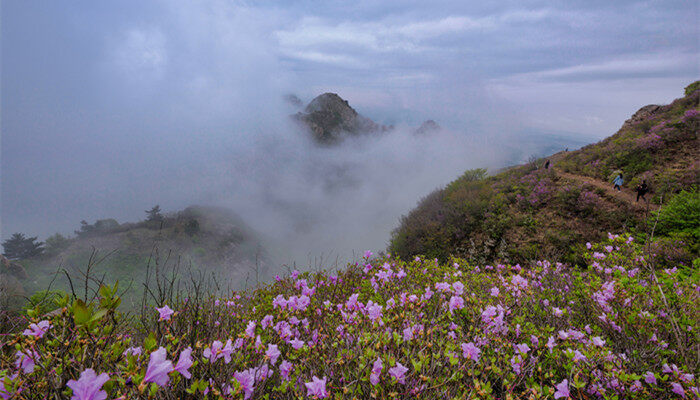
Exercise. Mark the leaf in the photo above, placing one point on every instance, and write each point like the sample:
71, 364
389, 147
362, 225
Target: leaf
81, 313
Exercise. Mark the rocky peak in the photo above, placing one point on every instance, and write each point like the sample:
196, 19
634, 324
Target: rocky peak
427, 127
329, 118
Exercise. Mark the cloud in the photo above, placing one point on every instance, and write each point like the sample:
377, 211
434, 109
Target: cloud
141, 53
627, 66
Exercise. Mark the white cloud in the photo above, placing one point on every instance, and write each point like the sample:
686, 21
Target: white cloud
630, 65
141, 52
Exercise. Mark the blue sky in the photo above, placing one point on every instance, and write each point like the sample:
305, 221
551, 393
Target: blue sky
108, 106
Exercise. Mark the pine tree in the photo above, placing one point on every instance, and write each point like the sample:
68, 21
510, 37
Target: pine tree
18, 247
154, 214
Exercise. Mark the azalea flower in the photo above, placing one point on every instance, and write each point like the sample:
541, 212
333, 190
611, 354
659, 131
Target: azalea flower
522, 348
558, 312
650, 378
158, 368
37, 330
285, 369
495, 291
273, 352
317, 388
677, 388
376, 370
247, 381
184, 363
598, 341
562, 390
89, 386
26, 360
456, 303
165, 313
470, 351
399, 372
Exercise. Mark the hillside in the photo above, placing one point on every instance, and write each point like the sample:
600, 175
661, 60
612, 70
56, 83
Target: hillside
530, 212
384, 329
206, 239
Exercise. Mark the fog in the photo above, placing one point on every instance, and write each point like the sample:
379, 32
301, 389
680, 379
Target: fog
109, 109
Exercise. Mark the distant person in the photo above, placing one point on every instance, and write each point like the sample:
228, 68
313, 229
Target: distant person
546, 165
617, 183
642, 189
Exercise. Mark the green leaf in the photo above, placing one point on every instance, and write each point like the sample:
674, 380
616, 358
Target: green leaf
81, 313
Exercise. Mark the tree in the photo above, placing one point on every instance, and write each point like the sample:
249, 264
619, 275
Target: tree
18, 247
154, 214
56, 243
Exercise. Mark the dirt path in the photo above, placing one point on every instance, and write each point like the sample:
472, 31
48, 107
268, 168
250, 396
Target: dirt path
625, 195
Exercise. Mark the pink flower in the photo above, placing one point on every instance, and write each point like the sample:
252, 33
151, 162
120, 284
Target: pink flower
588, 245
456, 303
678, 389
89, 386
165, 313
650, 378
250, 329
598, 341
158, 368
26, 360
317, 387
273, 352
495, 291
374, 311
458, 288
399, 372
296, 343
562, 390
470, 351
522, 348
551, 343
376, 371
285, 369
267, 321
247, 381
184, 363
558, 312
37, 330
578, 356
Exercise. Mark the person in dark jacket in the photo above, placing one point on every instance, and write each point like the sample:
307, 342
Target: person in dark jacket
642, 189
546, 165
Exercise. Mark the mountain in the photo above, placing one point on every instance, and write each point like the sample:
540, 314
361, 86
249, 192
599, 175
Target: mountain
330, 118
531, 212
214, 241
427, 127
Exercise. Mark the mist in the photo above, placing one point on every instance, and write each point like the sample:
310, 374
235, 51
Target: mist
109, 109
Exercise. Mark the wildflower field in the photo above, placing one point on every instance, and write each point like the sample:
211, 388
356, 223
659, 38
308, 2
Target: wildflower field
381, 328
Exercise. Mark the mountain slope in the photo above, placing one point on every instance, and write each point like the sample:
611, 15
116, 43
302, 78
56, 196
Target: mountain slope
530, 212
198, 239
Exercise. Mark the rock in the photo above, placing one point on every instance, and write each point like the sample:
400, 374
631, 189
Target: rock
11, 268
294, 100
329, 118
642, 114
427, 127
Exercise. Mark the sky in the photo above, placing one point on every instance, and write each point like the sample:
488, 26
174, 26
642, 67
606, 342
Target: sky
110, 107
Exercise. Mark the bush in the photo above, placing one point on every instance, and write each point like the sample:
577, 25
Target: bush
680, 218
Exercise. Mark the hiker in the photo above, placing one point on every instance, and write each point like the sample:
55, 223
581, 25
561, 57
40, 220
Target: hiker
546, 165
619, 180
642, 190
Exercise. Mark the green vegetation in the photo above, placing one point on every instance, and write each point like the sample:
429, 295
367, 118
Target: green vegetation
383, 328
529, 212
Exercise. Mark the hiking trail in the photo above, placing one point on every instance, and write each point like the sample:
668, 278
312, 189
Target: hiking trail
625, 195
